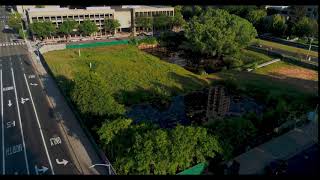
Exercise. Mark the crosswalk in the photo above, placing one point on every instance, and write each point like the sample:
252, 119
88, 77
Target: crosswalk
4, 17
12, 44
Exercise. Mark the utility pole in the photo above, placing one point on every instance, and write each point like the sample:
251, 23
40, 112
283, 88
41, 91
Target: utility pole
311, 39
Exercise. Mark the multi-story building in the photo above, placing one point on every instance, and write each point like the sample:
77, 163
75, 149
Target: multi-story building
126, 15
290, 12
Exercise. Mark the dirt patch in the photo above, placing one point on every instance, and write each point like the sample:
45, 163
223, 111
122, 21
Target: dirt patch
300, 73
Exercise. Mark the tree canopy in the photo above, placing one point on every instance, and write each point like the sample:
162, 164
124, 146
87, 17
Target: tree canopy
216, 32
111, 25
161, 21
160, 151
88, 27
276, 24
144, 22
306, 27
15, 21
256, 17
68, 26
42, 29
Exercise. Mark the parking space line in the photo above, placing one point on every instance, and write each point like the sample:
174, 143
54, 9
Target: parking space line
21, 129
40, 128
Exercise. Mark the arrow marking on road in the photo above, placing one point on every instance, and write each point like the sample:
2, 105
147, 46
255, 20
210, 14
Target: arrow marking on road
42, 170
9, 104
24, 100
33, 84
64, 162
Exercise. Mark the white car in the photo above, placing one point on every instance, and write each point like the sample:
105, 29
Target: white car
6, 27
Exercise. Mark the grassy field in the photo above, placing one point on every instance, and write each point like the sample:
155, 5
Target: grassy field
287, 48
250, 57
132, 75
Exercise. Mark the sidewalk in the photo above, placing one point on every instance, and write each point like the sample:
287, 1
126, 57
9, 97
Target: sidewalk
82, 150
283, 147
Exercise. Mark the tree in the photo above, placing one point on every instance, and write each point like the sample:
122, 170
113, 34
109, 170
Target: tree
163, 151
15, 21
276, 24
144, 22
306, 27
256, 18
161, 21
217, 33
235, 131
178, 21
67, 27
197, 10
298, 11
88, 27
187, 12
241, 11
111, 25
42, 29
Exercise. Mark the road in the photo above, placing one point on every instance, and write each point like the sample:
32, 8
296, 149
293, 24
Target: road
31, 139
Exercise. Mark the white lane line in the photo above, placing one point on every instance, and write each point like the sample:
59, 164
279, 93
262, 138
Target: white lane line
2, 128
40, 128
21, 129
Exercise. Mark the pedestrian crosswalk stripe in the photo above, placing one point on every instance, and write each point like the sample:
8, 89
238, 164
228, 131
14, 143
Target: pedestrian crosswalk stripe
12, 44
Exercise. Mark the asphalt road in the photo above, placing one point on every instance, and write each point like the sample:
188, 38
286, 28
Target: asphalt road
31, 142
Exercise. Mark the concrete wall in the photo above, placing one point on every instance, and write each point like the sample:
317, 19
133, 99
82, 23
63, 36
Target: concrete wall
47, 48
124, 17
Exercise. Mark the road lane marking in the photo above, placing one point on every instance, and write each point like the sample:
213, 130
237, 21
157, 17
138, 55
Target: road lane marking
40, 128
43, 169
55, 141
13, 149
2, 127
11, 124
23, 100
9, 103
33, 84
64, 162
31, 76
8, 88
21, 129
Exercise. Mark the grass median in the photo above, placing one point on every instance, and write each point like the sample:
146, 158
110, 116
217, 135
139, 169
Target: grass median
286, 48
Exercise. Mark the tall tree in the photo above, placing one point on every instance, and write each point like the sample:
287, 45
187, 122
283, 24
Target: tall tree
111, 25
306, 27
276, 24
42, 29
88, 28
161, 21
256, 18
217, 33
144, 22
67, 27
178, 21
15, 21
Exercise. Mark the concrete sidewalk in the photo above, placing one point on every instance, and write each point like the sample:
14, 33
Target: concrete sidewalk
282, 147
81, 148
